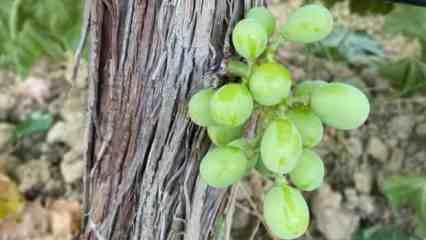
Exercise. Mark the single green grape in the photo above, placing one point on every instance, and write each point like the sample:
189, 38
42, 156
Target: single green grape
199, 106
308, 125
264, 17
305, 88
249, 39
223, 166
231, 105
270, 83
308, 24
309, 172
340, 105
286, 212
222, 135
250, 152
281, 146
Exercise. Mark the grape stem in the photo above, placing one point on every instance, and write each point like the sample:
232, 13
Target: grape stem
254, 206
293, 100
280, 179
13, 20
276, 42
230, 211
237, 68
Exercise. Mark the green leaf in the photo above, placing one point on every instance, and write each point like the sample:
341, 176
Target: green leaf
408, 20
408, 191
364, 7
11, 200
36, 122
382, 233
407, 75
355, 47
420, 227
43, 28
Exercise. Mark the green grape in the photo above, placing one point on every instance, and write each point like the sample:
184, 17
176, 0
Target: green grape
340, 105
308, 24
223, 166
286, 212
231, 105
249, 39
270, 83
308, 125
281, 146
309, 172
249, 150
305, 88
264, 17
199, 108
222, 135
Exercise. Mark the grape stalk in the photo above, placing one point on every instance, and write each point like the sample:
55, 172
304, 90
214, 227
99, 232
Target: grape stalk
292, 116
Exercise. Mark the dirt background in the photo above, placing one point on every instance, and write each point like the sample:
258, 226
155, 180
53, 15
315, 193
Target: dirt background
47, 167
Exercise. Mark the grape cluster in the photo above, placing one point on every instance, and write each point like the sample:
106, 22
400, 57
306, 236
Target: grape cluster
290, 122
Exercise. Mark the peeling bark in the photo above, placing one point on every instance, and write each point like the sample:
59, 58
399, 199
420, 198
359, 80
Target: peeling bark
146, 59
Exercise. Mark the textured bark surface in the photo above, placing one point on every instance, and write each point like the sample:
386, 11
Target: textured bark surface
146, 59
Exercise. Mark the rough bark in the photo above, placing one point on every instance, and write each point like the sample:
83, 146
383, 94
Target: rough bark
146, 59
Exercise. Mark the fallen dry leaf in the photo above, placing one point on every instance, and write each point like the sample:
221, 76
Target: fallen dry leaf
32, 223
70, 213
59, 220
11, 200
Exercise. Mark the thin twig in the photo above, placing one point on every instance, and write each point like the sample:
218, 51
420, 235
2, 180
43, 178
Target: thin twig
230, 211
258, 214
251, 202
83, 38
255, 230
94, 229
246, 209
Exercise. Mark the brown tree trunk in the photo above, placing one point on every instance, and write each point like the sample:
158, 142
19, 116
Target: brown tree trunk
146, 59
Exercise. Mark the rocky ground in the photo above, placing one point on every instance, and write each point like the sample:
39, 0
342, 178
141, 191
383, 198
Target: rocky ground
47, 166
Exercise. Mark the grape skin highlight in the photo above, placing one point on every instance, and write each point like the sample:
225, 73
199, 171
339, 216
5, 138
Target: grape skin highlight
264, 17
249, 39
340, 105
286, 212
309, 172
199, 108
231, 105
223, 166
281, 146
222, 135
305, 88
308, 125
308, 24
270, 83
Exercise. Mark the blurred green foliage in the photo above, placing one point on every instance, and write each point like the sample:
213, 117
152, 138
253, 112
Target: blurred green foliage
355, 47
409, 191
35, 122
408, 74
30, 29
382, 233
364, 7
407, 20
